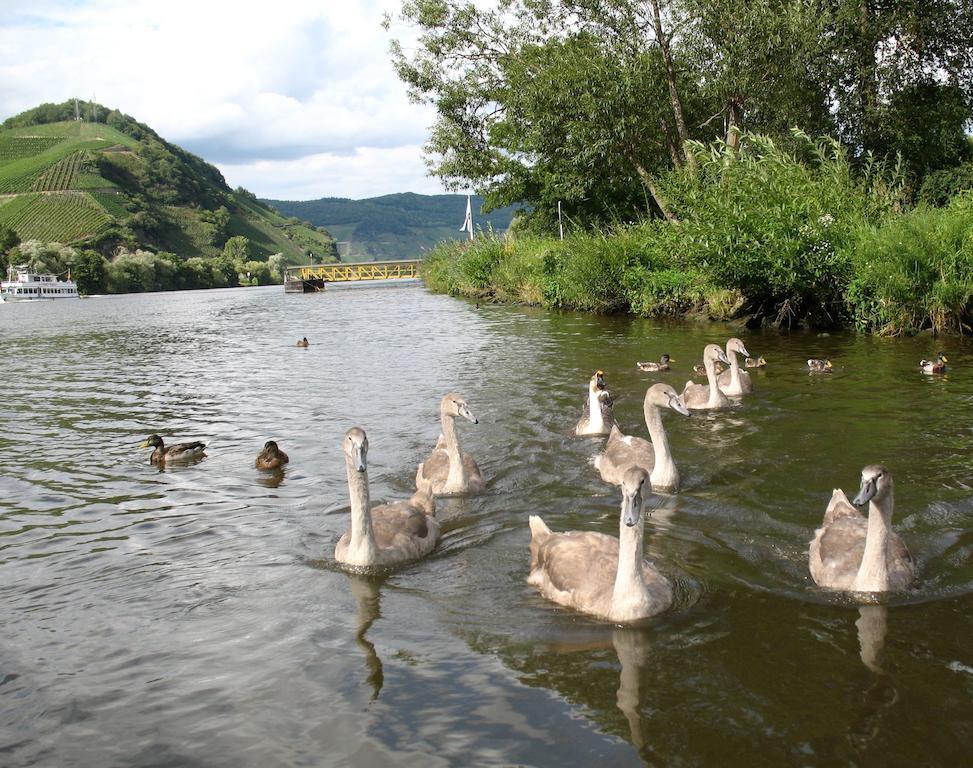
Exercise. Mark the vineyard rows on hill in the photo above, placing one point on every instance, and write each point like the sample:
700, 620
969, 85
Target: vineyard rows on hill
16, 147
61, 175
67, 216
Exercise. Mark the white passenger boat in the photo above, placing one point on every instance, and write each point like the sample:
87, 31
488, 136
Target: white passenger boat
24, 285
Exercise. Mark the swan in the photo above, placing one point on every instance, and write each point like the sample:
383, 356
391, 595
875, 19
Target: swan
734, 381
852, 552
387, 534
702, 397
623, 451
448, 471
179, 452
934, 366
597, 416
662, 365
596, 573
271, 457
303, 342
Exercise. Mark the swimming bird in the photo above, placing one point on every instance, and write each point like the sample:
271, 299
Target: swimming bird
624, 451
700, 370
599, 574
448, 470
934, 366
755, 362
174, 453
271, 457
822, 366
705, 397
387, 534
597, 416
303, 342
734, 381
662, 365
852, 552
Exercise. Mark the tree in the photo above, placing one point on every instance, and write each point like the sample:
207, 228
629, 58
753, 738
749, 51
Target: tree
90, 271
237, 249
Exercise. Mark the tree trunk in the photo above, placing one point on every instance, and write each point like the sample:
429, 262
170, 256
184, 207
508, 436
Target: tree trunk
733, 124
677, 160
673, 88
650, 185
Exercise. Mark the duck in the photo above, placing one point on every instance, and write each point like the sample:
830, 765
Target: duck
934, 366
303, 342
662, 365
174, 453
448, 471
755, 362
598, 574
855, 553
388, 534
623, 451
700, 370
706, 397
271, 457
597, 415
822, 366
735, 382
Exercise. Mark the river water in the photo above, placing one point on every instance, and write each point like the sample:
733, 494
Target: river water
195, 616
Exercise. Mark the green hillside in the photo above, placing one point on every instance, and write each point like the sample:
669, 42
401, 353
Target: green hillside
113, 183
401, 226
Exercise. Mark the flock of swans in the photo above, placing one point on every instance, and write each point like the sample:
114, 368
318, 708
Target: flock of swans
588, 571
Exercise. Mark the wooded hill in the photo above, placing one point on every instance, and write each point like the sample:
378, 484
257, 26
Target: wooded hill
399, 226
107, 181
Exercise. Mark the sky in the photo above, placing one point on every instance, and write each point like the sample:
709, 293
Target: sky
291, 99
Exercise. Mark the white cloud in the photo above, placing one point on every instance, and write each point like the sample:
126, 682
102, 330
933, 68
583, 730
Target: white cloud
274, 94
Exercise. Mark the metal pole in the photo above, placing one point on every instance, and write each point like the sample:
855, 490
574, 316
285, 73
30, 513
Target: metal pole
560, 224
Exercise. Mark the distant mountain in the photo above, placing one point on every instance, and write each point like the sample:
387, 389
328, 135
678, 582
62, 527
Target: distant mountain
106, 180
400, 226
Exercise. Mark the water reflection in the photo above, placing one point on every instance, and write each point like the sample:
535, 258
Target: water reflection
880, 694
366, 592
270, 478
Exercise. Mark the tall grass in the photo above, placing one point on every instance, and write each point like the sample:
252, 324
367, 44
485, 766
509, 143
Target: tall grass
764, 233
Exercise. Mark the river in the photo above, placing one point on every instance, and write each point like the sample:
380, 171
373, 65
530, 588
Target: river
195, 616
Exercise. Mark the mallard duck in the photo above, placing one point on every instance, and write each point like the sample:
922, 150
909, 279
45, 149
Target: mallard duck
597, 414
172, 453
448, 470
857, 553
389, 533
600, 574
734, 381
700, 370
303, 342
662, 365
934, 366
755, 362
271, 457
822, 366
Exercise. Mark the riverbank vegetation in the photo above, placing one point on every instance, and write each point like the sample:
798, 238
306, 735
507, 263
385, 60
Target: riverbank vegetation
672, 140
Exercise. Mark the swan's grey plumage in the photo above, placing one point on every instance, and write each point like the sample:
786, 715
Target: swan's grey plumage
735, 381
599, 574
704, 397
448, 470
597, 415
857, 553
387, 534
624, 451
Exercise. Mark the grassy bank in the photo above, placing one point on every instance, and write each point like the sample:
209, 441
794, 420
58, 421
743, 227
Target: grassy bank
786, 238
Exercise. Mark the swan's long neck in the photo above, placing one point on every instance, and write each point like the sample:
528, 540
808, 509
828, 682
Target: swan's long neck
595, 421
873, 575
457, 472
664, 475
630, 596
714, 388
734, 370
361, 548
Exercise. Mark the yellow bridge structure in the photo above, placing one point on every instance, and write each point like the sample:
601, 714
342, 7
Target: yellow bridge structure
316, 276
